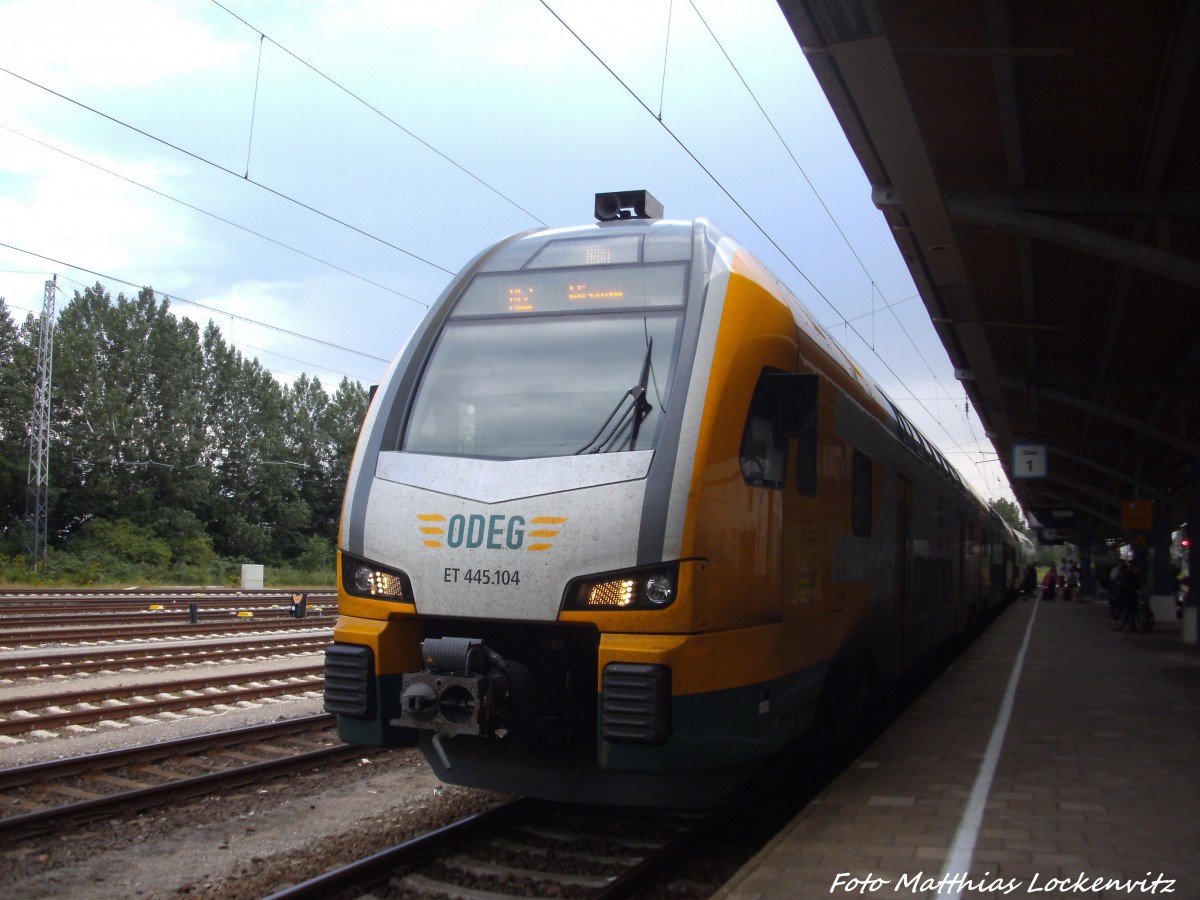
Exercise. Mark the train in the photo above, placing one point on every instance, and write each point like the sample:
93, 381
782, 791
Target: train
624, 521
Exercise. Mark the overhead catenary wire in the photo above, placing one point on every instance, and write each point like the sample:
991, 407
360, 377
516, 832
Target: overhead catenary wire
341, 87
741, 208
254, 105
303, 362
212, 309
687, 150
214, 216
662, 91
787, 147
228, 338
829, 213
216, 165
206, 161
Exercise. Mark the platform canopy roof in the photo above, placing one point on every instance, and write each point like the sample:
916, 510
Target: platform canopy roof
1038, 162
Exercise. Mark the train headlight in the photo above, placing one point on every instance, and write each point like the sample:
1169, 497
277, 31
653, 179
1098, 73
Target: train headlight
660, 590
640, 589
364, 579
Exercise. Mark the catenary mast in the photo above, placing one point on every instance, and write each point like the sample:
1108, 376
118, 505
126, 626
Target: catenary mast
37, 494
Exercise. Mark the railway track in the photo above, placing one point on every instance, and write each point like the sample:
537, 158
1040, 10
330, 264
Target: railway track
524, 848
40, 797
45, 711
31, 619
531, 848
93, 660
16, 638
15, 598
141, 615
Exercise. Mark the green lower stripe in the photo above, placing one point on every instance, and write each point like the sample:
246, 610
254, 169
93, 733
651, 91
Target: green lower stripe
725, 728
376, 732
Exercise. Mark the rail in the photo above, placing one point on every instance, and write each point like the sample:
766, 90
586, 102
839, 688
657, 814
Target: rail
145, 782
530, 847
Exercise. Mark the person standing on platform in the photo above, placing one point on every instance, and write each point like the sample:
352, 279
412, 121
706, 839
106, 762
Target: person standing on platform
1114, 582
1049, 583
1071, 592
1128, 585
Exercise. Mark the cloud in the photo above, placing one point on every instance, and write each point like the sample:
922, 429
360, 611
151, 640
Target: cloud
117, 44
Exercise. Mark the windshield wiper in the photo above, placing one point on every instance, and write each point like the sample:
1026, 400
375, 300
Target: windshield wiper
641, 405
602, 441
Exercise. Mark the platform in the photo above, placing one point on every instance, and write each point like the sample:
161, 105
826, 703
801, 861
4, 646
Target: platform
1055, 758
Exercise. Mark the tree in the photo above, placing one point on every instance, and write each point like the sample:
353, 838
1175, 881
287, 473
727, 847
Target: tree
308, 453
166, 437
127, 419
17, 363
257, 510
340, 427
233, 448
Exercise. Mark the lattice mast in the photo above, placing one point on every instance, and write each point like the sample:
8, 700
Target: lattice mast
37, 494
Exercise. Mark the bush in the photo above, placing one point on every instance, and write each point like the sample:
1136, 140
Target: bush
319, 555
120, 542
14, 571
282, 577
191, 547
120, 552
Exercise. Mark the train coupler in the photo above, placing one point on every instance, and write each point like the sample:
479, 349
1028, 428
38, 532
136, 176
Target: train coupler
464, 687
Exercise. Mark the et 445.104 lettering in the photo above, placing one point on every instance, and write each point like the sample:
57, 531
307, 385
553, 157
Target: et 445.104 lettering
503, 577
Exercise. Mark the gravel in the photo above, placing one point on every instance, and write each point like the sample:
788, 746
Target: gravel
242, 844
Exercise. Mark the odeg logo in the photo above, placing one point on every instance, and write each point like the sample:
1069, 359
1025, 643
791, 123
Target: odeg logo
494, 532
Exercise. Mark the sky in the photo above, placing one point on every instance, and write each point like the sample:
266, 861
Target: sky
310, 175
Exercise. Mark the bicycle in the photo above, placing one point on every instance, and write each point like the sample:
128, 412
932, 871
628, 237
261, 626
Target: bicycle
1137, 615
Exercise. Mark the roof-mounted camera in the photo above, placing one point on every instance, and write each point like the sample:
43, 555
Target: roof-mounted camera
615, 205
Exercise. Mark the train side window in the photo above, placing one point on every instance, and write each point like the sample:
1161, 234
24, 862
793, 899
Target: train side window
784, 406
795, 405
862, 497
763, 456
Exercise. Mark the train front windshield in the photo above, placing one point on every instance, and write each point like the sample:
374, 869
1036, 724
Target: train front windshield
553, 362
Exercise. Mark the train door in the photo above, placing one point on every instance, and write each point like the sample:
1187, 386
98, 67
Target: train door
903, 584
766, 530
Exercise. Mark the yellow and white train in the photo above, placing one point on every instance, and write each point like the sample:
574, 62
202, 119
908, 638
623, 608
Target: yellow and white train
624, 520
